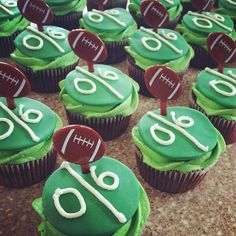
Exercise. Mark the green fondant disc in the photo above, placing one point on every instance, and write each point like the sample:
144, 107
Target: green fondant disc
165, 53
165, 3
98, 219
20, 138
182, 148
48, 50
188, 21
228, 4
107, 24
103, 95
13, 11
58, 2
203, 85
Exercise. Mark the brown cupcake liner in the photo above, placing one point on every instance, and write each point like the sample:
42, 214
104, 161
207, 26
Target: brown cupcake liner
137, 74
201, 58
114, 3
7, 44
169, 181
140, 22
69, 21
29, 173
226, 127
116, 52
46, 81
109, 128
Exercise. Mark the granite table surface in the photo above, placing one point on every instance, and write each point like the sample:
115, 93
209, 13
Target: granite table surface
209, 209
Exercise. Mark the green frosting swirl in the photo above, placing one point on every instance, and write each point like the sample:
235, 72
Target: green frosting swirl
173, 156
108, 30
65, 7
227, 8
94, 105
173, 10
198, 35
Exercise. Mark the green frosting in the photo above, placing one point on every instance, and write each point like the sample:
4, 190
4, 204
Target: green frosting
198, 35
63, 7
174, 9
20, 147
10, 19
165, 56
128, 198
173, 156
227, 7
211, 101
108, 29
102, 102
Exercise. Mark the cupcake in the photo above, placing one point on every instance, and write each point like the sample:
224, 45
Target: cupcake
114, 27
103, 100
146, 48
11, 24
27, 155
196, 27
174, 9
67, 13
159, 142
108, 200
44, 57
214, 94
108, 4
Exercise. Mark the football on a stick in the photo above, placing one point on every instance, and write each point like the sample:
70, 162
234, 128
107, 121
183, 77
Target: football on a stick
203, 5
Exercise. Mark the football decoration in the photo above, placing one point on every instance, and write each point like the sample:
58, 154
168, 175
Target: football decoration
79, 144
87, 46
101, 4
222, 48
164, 84
36, 11
203, 5
13, 82
154, 14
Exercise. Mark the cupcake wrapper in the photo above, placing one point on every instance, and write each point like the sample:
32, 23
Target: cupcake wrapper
69, 21
201, 58
7, 45
137, 74
29, 173
115, 3
116, 52
140, 22
46, 81
109, 128
169, 181
226, 127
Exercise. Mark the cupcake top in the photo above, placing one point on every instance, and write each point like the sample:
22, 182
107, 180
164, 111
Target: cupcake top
162, 138
166, 47
216, 92
227, 7
110, 25
10, 18
43, 50
174, 7
103, 93
24, 136
195, 27
109, 197
63, 7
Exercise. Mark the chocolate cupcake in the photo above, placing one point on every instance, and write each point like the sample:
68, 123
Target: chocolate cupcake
11, 24
108, 5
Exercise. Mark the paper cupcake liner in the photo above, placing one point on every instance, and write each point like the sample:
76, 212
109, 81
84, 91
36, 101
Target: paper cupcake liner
46, 81
201, 58
109, 128
7, 44
116, 52
140, 22
29, 173
114, 4
69, 21
137, 74
226, 127
169, 181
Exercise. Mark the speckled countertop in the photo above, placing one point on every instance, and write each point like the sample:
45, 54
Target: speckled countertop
209, 209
